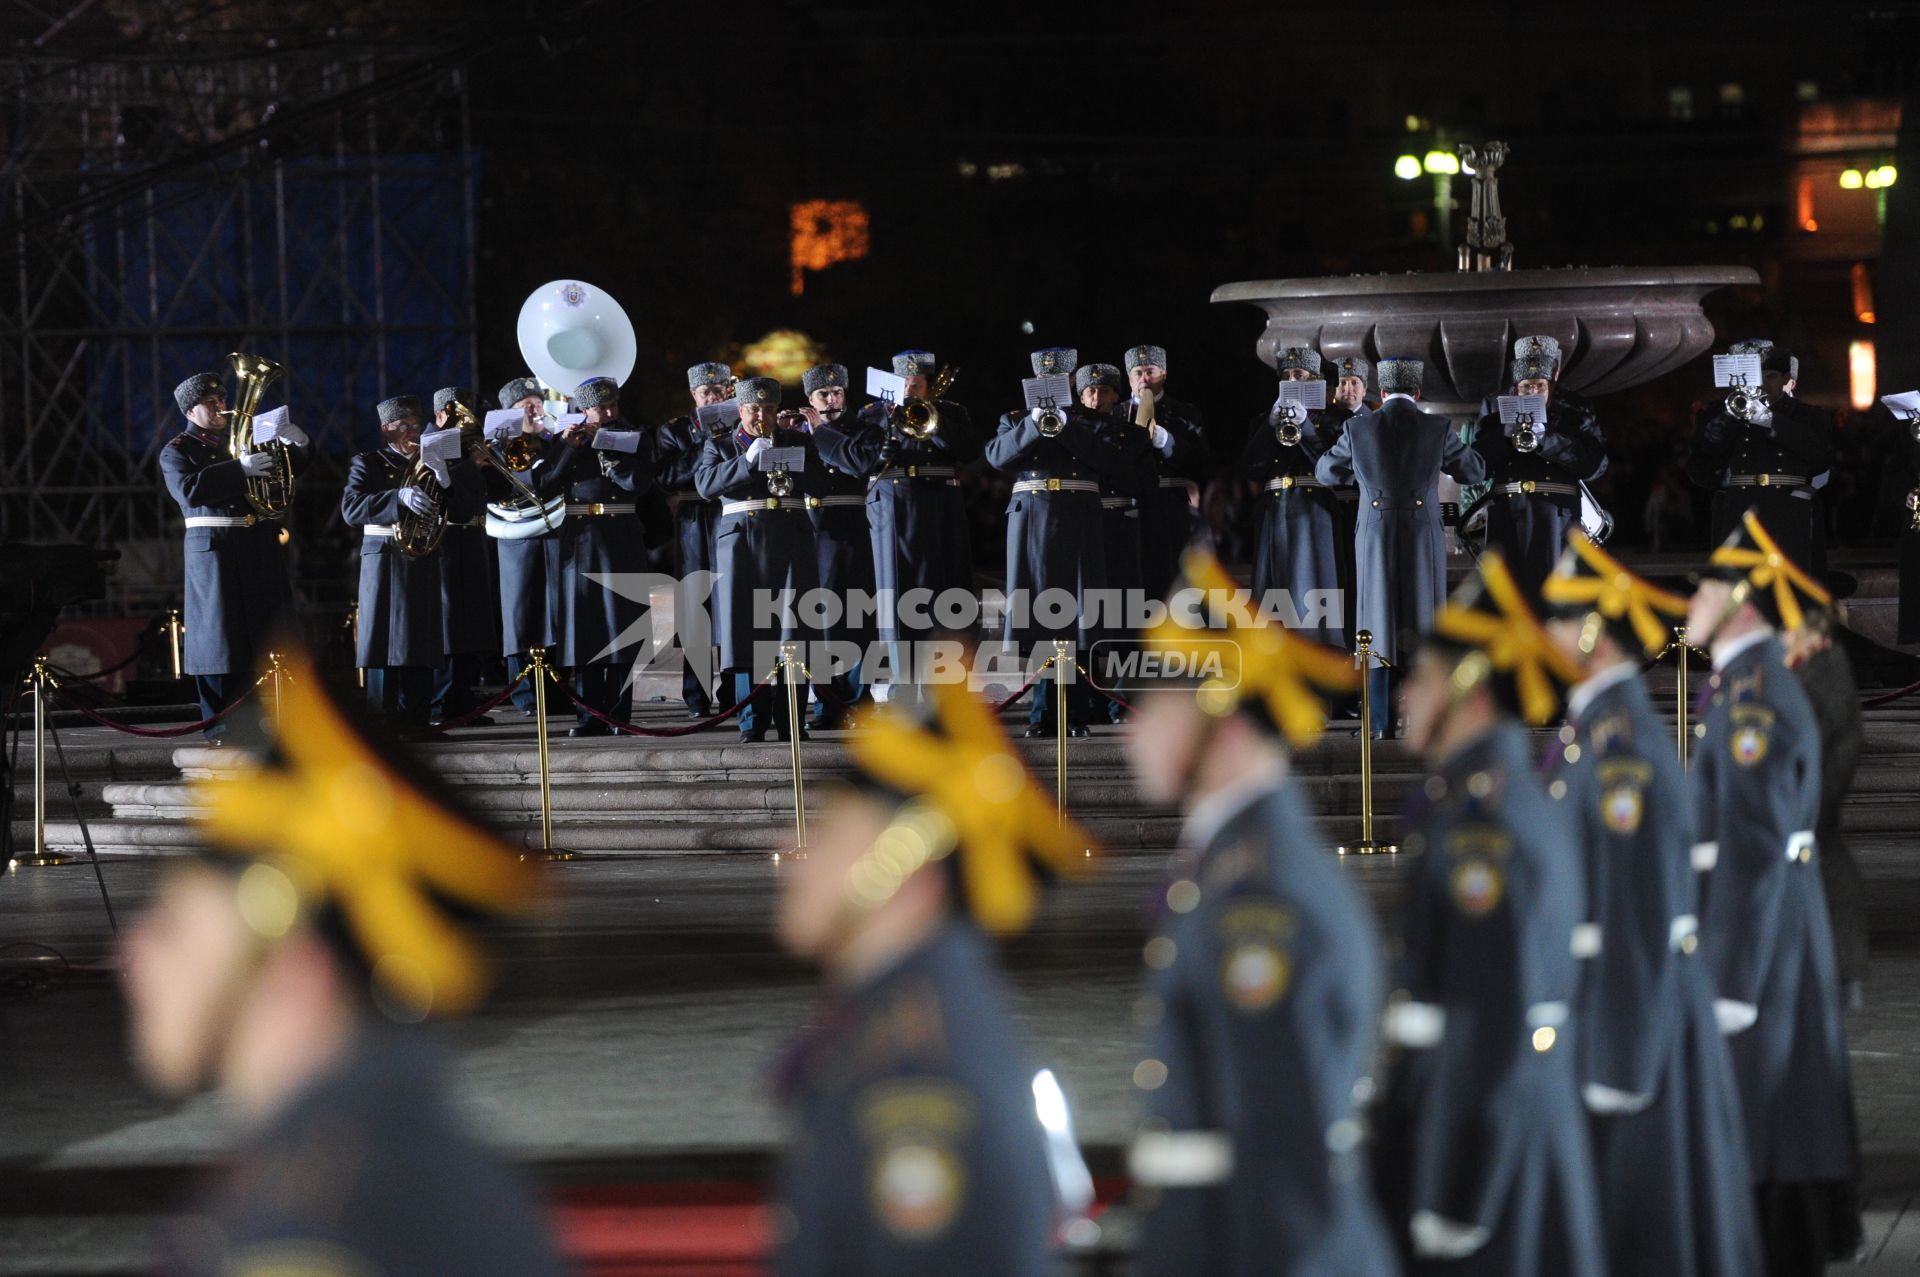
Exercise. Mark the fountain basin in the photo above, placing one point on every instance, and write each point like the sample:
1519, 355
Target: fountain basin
1617, 326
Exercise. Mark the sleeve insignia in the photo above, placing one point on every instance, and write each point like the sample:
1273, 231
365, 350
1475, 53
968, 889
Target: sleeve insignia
916, 1174
1477, 887
1255, 939
1621, 807
1752, 728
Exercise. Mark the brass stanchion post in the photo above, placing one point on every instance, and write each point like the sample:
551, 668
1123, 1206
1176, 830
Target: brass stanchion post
353, 637
40, 855
547, 850
174, 630
1364, 658
789, 670
1681, 710
1059, 663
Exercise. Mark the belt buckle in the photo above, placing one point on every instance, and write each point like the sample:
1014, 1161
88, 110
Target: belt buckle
596, 509
913, 472
1527, 485
1765, 480
1053, 485
1286, 481
813, 503
773, 503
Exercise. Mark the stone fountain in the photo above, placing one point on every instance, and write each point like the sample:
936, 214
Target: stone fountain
1618, 326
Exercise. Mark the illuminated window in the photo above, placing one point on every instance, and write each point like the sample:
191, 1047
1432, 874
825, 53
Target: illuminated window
825, 232
1680, 103
1861, 376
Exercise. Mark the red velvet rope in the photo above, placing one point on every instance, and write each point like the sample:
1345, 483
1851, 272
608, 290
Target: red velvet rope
1887, 698
686, 729
159, 733
478, 711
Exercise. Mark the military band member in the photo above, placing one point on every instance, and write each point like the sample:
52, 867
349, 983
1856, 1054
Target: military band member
678, 444
1170, 515
1669, 1142
1265, 981
764, 550
1304, 544
530, 566
402, 640
277, 969
1396, 454
837, 504
1764, 933
467, 576
1766, 464
237, 581
922, 542
1350, 376
604, 464
1535, 499
1100, 387
915, 1146
1055, 533
1483, 1159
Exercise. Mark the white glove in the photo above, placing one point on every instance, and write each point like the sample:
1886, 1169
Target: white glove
1734, 1017
414, 499
294, 435
1762, 414
1162, 441
757, 447
257, 463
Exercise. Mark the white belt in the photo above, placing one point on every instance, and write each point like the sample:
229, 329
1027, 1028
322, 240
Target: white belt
1288, 481
1705, 856
1546, 1015
1417, 1025
1680, 931
222, 520
1191, 488
759, 504
1180, 1159
379, 531
1056, 485
916, 472
1117, 503
1800, 846
1528, 487
1586, 940
835, 503
1768, 480
584, 509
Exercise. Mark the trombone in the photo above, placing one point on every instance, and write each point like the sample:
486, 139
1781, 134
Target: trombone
917, 418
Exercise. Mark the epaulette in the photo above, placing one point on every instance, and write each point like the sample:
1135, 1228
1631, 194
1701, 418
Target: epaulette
906, 1024
1612, 733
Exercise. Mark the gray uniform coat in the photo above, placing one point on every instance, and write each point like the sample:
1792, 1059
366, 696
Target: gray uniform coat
237, 583
530, 568
762, 550
593, 614
1395, 454
1305, 539
400, 596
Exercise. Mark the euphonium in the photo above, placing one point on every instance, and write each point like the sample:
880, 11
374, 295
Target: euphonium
920, 418
270, 494
420, 534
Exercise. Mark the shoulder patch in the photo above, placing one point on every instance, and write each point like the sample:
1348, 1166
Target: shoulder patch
1256, 940
907, 1025
1475, 878
1750, 733
916, 1131
1623, 787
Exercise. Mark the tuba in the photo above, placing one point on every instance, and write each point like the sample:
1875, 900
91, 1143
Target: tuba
270, 494
919, 419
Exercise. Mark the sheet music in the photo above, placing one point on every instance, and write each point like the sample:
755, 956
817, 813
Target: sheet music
717, 416
1041, 389
1905, 405
502, 423
1727, 367
886, 386
626, 441
792, 460
1308, 395
1514, 407
266, 425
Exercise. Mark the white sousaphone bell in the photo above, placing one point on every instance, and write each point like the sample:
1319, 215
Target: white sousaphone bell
569, 331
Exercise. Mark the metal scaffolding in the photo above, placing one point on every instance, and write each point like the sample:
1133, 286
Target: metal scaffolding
314, 204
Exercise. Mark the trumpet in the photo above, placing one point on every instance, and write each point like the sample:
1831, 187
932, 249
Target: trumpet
1744, 402
919, 419
1523, 436
270, 494
1049, 422
1286, 428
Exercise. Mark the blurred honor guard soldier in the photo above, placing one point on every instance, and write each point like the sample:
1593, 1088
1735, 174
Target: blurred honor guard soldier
1396, 453
764, 550
1537, 471
529, 567
678, 444
401, 638
837, 504
1822, 667
1169, 515
1669, 1141
1304, 543
1055, 536
1099, 387
1265, 972
467, 606
339, 901
1764, 930
236, 571
918, 522
916, 1146
605, 465
1765, 462
1483, 1156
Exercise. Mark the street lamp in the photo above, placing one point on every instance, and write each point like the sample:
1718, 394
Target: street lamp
1407, 167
